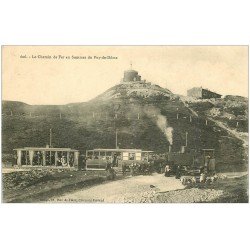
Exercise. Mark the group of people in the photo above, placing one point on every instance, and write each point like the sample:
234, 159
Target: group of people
137, 168
50, 160
173, 170
62, 161
203, 172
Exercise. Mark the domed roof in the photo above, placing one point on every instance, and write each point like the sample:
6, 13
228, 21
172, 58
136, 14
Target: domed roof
131, 71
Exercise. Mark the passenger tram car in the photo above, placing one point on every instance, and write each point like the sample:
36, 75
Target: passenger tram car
100, 159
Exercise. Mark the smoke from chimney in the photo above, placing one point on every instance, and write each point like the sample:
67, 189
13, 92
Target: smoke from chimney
161, 122
163, 125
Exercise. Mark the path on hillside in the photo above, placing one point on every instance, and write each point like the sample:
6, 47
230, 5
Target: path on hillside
239, 135
190, 109
136, 189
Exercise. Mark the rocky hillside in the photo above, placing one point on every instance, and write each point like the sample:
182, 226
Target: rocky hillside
145, 115
137, 90
231, 112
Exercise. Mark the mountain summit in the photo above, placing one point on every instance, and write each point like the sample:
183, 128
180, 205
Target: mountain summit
131, 86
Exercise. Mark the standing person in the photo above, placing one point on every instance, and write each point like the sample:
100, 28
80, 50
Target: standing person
84, 162
81, 164
207, 160
178, 172
211, 166
144, 169
110, 170
151, 164
124, 167
149, 167
39, 158
114, 162
167, 170
64, 161
132, 169
202, 177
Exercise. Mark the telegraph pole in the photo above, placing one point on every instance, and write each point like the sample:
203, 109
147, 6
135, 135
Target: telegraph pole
116, 145
186, 138
50, 138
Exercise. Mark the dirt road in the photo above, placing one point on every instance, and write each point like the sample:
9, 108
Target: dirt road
158, 189
135, 189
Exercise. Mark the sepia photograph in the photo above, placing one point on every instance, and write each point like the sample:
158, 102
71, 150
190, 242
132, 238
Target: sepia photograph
125, 124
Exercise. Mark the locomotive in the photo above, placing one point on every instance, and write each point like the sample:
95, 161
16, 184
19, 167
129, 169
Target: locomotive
190, 162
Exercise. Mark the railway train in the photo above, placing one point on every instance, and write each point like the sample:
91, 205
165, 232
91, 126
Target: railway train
121, 160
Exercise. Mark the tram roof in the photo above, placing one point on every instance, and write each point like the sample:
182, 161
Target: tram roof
47, 149
119, 150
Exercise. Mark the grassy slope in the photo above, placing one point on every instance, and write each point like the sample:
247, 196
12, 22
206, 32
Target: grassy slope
92, 125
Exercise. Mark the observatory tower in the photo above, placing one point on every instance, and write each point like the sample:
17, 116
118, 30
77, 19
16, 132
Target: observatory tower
131, 76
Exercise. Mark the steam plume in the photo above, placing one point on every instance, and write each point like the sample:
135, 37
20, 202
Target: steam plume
161, 122
163, 125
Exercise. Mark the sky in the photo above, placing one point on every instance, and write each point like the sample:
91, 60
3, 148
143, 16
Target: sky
53, 75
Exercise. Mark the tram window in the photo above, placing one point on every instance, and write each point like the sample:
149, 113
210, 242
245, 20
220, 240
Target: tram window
47, 158
23, 158
71, 159
132, 156
37, 159
53, 159
89, 154
59, 158
96, 155
64, 154
125, 156
138, 156
102, 155
145, 157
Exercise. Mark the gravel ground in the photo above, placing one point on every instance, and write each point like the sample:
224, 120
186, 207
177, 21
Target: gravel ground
192, 195
74, 186
137, 189
158, 189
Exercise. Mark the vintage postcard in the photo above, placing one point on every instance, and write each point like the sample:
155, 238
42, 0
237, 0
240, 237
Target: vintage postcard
125, 124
